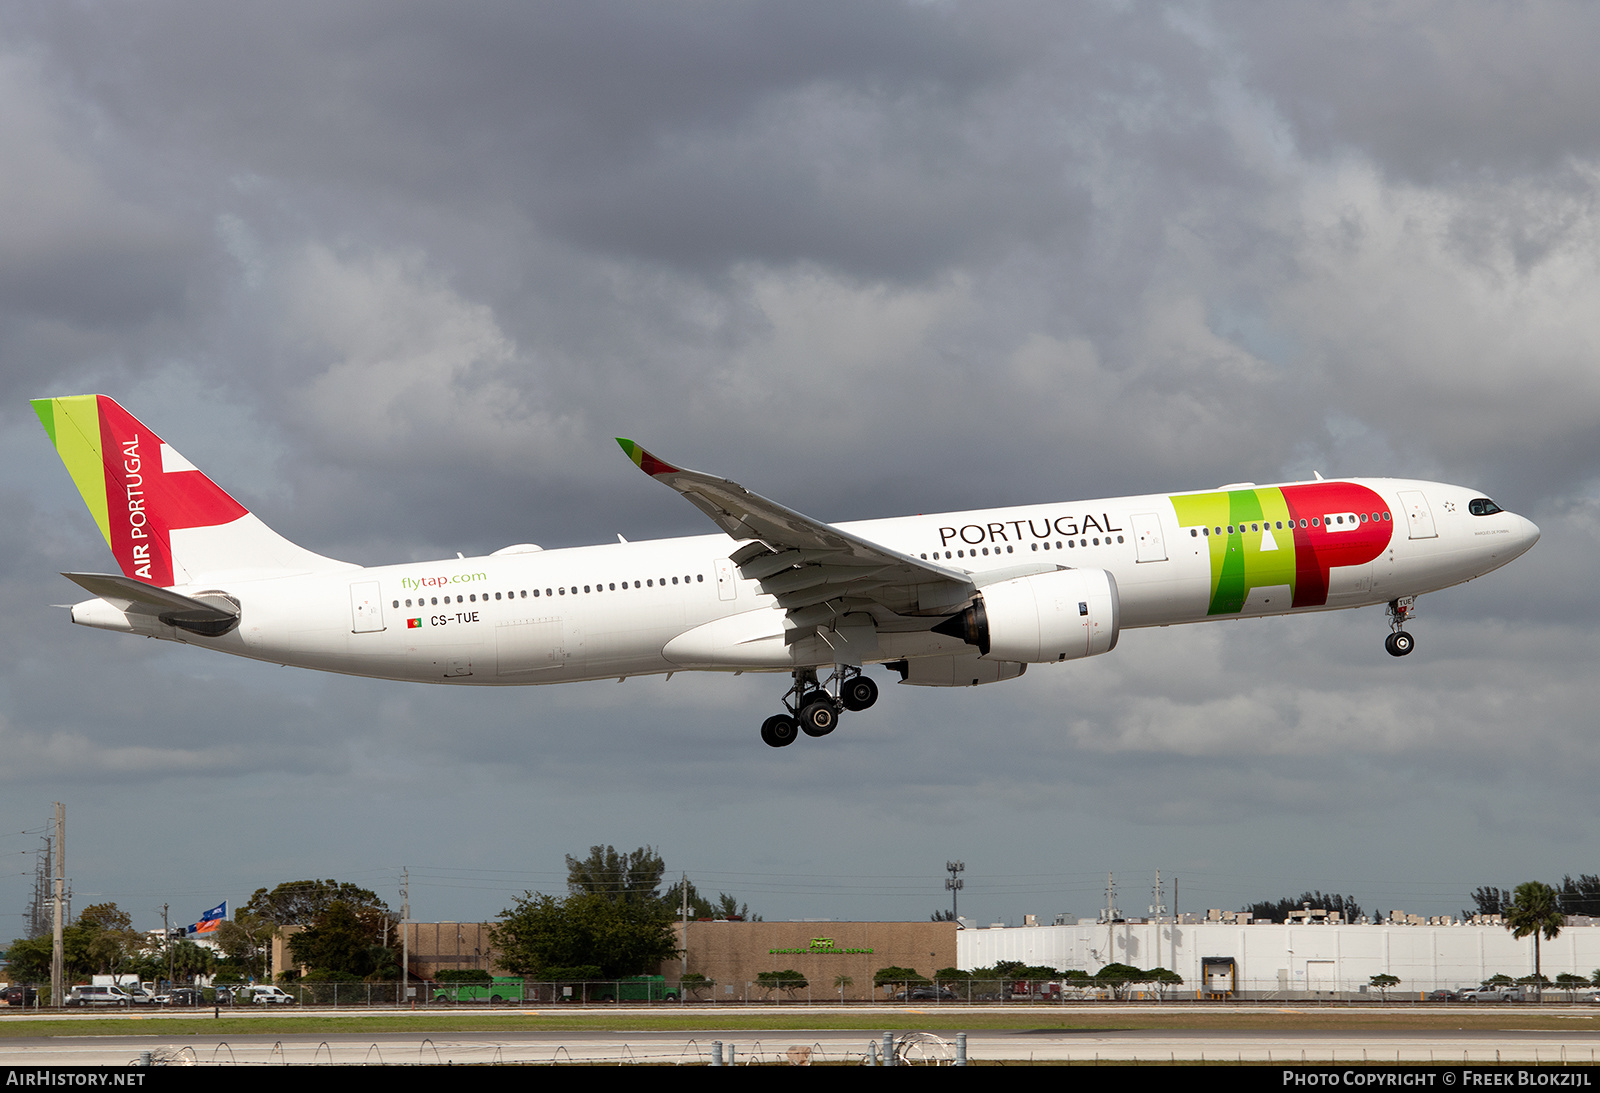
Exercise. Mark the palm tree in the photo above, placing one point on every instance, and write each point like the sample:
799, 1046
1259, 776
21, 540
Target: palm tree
1535, 910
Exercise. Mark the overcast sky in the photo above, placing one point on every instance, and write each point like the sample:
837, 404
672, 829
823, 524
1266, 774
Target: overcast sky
396, 273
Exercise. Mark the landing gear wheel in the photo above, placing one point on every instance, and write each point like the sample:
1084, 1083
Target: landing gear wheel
819, 718
778, 731
813, 697
858, 694
1399, 643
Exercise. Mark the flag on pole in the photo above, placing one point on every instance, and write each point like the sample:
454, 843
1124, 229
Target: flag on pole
211, 919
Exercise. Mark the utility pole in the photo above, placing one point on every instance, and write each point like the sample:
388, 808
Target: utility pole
953, 884
1174, 923
1158, 911
405, 935
683, 957
58, 978
1112, 914
166, 940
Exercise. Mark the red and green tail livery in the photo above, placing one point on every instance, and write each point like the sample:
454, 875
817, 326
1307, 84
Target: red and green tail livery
137, 487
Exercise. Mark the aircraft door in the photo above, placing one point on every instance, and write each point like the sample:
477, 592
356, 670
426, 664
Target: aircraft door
366, 609
1147, 537
727, 580
1419, 518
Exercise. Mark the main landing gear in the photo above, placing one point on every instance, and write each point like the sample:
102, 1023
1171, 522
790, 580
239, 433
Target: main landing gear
1399, 643
813, 708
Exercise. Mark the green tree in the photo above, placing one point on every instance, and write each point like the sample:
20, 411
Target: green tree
101, 942
1119, 977
340, 945
303, 902
1535, 910
619, 936
896, 976
1383, 982
1489, 901
624, 878
731, 910
1339, 906
1571, 982
245, 939
787, 980
190, 960
725, 908
28, 959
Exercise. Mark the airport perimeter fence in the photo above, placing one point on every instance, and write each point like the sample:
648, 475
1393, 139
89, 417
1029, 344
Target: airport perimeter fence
511, 992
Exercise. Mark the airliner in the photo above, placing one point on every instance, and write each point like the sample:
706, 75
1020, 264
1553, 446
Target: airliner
949, 600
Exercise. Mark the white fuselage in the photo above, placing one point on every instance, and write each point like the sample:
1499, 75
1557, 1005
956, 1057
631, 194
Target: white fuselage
547, 616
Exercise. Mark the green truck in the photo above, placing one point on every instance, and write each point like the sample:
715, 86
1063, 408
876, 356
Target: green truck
638, 988
502, 988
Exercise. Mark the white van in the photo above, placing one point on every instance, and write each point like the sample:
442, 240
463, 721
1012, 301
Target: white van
99, 994
271, 996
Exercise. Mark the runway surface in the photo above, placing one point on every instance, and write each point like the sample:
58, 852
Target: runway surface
419, 1046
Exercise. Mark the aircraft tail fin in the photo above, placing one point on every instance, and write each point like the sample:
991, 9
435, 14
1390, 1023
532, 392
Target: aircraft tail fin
165, 521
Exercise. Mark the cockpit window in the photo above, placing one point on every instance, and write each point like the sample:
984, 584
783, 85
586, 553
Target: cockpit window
1482, 506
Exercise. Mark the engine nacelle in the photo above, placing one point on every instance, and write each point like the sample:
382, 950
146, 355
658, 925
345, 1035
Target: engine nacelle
1065, 615
965, 671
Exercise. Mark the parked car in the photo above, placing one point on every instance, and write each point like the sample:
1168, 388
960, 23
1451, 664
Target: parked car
1442, 996
182, 996
18, 995
1492, 994
927, 994
138, 995
271, 996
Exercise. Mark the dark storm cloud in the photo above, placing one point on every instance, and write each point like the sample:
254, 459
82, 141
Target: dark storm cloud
673, 132
1429, 90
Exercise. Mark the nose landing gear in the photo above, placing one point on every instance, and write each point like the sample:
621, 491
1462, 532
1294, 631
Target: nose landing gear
813, 708
1399, 643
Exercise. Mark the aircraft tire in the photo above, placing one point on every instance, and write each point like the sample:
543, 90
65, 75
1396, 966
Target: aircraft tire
819, 718
778, 731
859, 694
1399, 643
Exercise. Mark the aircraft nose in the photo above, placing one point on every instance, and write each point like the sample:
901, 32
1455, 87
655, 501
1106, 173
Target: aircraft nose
1526, 532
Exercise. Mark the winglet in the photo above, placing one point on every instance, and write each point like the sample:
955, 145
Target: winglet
646, 462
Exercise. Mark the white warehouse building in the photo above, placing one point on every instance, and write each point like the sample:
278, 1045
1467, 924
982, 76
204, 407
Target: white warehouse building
1292, 958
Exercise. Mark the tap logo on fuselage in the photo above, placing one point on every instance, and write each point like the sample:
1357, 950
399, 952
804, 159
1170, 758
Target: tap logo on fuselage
1284, 535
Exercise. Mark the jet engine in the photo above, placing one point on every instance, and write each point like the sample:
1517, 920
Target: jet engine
1065, 615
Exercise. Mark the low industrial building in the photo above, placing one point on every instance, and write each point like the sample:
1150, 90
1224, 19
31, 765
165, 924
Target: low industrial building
733, 954
1265, 959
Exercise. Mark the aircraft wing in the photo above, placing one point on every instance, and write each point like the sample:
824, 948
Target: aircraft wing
815, 570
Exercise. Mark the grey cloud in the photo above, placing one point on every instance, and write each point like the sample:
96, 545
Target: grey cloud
1432, 91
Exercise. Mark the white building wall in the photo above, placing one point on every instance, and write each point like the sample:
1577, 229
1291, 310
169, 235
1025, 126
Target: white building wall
1291, 958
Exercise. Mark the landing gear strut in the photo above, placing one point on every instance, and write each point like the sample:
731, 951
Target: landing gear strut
1399, 643
814, 707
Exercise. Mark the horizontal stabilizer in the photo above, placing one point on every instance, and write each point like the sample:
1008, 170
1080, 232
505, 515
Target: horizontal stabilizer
211, 615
